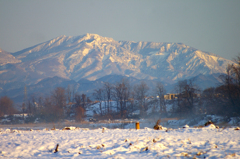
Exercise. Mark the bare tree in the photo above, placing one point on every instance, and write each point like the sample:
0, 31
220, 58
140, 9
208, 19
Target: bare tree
70, 93
187, 93
121, 95
160, 92
59, 100
59, 97
98, 95
31, 105
51, 112
132, 106
108, 88
141, 91
6, 106
79, 113
209, 97
84, 101
78, 100
81, 103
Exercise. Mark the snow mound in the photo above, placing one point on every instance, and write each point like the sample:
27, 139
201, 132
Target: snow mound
185, 126
69, 128
211, 126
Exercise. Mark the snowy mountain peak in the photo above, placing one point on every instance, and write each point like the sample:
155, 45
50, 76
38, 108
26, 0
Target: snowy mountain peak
92, 56
96, 38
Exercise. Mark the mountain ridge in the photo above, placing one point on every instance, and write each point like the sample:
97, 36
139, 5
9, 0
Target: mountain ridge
91, 57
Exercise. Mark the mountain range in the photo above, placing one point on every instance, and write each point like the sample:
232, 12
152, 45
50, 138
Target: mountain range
91, 57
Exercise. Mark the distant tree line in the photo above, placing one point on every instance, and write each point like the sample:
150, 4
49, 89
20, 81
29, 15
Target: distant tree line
60, 104
124, 96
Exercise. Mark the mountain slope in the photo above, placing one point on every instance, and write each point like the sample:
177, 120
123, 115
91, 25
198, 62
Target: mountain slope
91, 56
6, 57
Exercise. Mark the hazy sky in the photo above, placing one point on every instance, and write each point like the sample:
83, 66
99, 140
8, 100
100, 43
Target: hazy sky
208, 25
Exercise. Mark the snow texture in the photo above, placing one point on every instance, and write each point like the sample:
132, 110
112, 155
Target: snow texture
206, 142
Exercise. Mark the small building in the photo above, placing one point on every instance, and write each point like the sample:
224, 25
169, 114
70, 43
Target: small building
170, 96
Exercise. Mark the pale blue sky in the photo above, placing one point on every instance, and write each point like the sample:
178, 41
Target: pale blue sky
208, 25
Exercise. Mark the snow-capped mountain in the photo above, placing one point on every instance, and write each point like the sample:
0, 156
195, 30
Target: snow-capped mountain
68, 60
91, 56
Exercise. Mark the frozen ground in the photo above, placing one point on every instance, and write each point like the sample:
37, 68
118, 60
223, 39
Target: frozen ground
206, 142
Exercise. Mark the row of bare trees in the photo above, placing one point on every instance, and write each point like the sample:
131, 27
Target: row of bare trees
60, 104
127, 98
119, 92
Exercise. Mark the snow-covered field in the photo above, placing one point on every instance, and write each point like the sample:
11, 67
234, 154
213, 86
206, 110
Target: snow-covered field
206, 142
